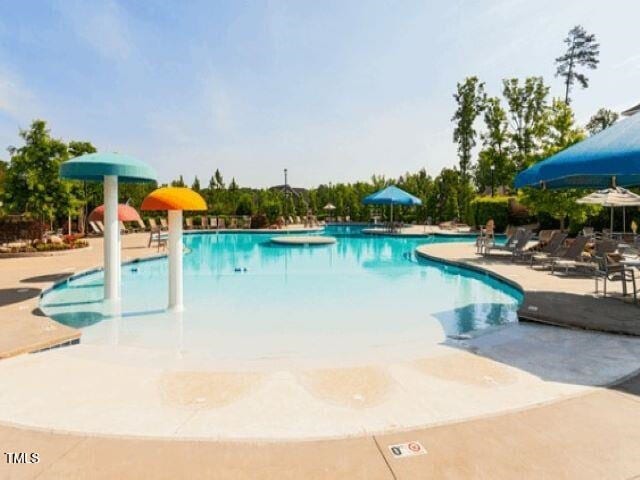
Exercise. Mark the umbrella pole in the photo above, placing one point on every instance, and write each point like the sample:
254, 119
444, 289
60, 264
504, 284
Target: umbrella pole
392, 217
175, 260
111, 239
611, 224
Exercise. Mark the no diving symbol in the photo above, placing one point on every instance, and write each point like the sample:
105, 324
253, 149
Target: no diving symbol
408, 449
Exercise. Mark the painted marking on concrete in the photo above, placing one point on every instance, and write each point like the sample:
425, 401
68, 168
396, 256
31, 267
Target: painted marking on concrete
409, 449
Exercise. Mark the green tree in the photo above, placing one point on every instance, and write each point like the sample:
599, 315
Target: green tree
218, 179
527, 108
602, 119
178, 183
469, 97
495, 165
196, 184
582, 51
33, 183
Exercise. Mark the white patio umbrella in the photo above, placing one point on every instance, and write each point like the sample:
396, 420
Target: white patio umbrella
613, 197
329, 207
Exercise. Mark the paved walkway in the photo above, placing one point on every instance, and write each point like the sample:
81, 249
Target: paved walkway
594, 436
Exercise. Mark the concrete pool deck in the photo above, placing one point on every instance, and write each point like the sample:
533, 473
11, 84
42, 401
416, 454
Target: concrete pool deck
564, 300
532, 416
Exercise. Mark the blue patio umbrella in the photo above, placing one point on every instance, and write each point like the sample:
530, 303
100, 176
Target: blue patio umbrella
607, 159
392, 195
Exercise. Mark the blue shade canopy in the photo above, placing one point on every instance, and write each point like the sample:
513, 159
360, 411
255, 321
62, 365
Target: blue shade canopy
391, 195
611, 157
94, 166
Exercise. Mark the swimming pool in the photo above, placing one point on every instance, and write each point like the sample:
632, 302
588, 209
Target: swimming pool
246, 298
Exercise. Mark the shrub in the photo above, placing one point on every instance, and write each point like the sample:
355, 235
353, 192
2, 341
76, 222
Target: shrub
12, 230
272, 210
259, 221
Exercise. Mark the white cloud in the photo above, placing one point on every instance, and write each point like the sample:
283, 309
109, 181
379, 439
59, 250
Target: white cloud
102, 25
16, 100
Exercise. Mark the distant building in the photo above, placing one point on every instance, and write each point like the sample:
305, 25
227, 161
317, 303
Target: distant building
631, 111
295, 191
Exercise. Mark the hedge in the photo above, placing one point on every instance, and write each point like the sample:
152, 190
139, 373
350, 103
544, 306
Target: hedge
503, 210
486, 208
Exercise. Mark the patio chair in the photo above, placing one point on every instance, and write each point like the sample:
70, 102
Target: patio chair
163, 222
204, 222
160, 238
137, 226
123, 228
572, 258
486, 237
188, 222
100, 225
298, 221
610, 270
220, 224
551, 249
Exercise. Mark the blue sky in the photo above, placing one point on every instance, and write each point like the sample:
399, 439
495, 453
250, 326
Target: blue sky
332, 90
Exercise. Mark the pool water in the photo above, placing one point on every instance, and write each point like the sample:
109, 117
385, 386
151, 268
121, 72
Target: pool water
247, 298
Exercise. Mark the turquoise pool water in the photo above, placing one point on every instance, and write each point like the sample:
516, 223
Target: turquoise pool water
247, 297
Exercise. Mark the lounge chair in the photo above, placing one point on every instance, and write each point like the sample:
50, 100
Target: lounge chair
551, 249
572, 258
610, 270
100, 225
123, 229
95, 228
544, 236
188, 222
163, 222
588, 231
152, 224
518, 248
298, 221
220, 224
141, 226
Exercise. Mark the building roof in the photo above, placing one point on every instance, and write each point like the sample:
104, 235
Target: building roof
297, 191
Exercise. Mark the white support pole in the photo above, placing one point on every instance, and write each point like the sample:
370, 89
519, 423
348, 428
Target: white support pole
111, 239
175, 260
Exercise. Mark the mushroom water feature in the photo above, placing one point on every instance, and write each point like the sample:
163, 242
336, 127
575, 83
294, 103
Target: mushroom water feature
109, 168
174, 200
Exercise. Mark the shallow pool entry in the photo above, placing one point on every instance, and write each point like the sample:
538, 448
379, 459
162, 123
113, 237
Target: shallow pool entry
248, 297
